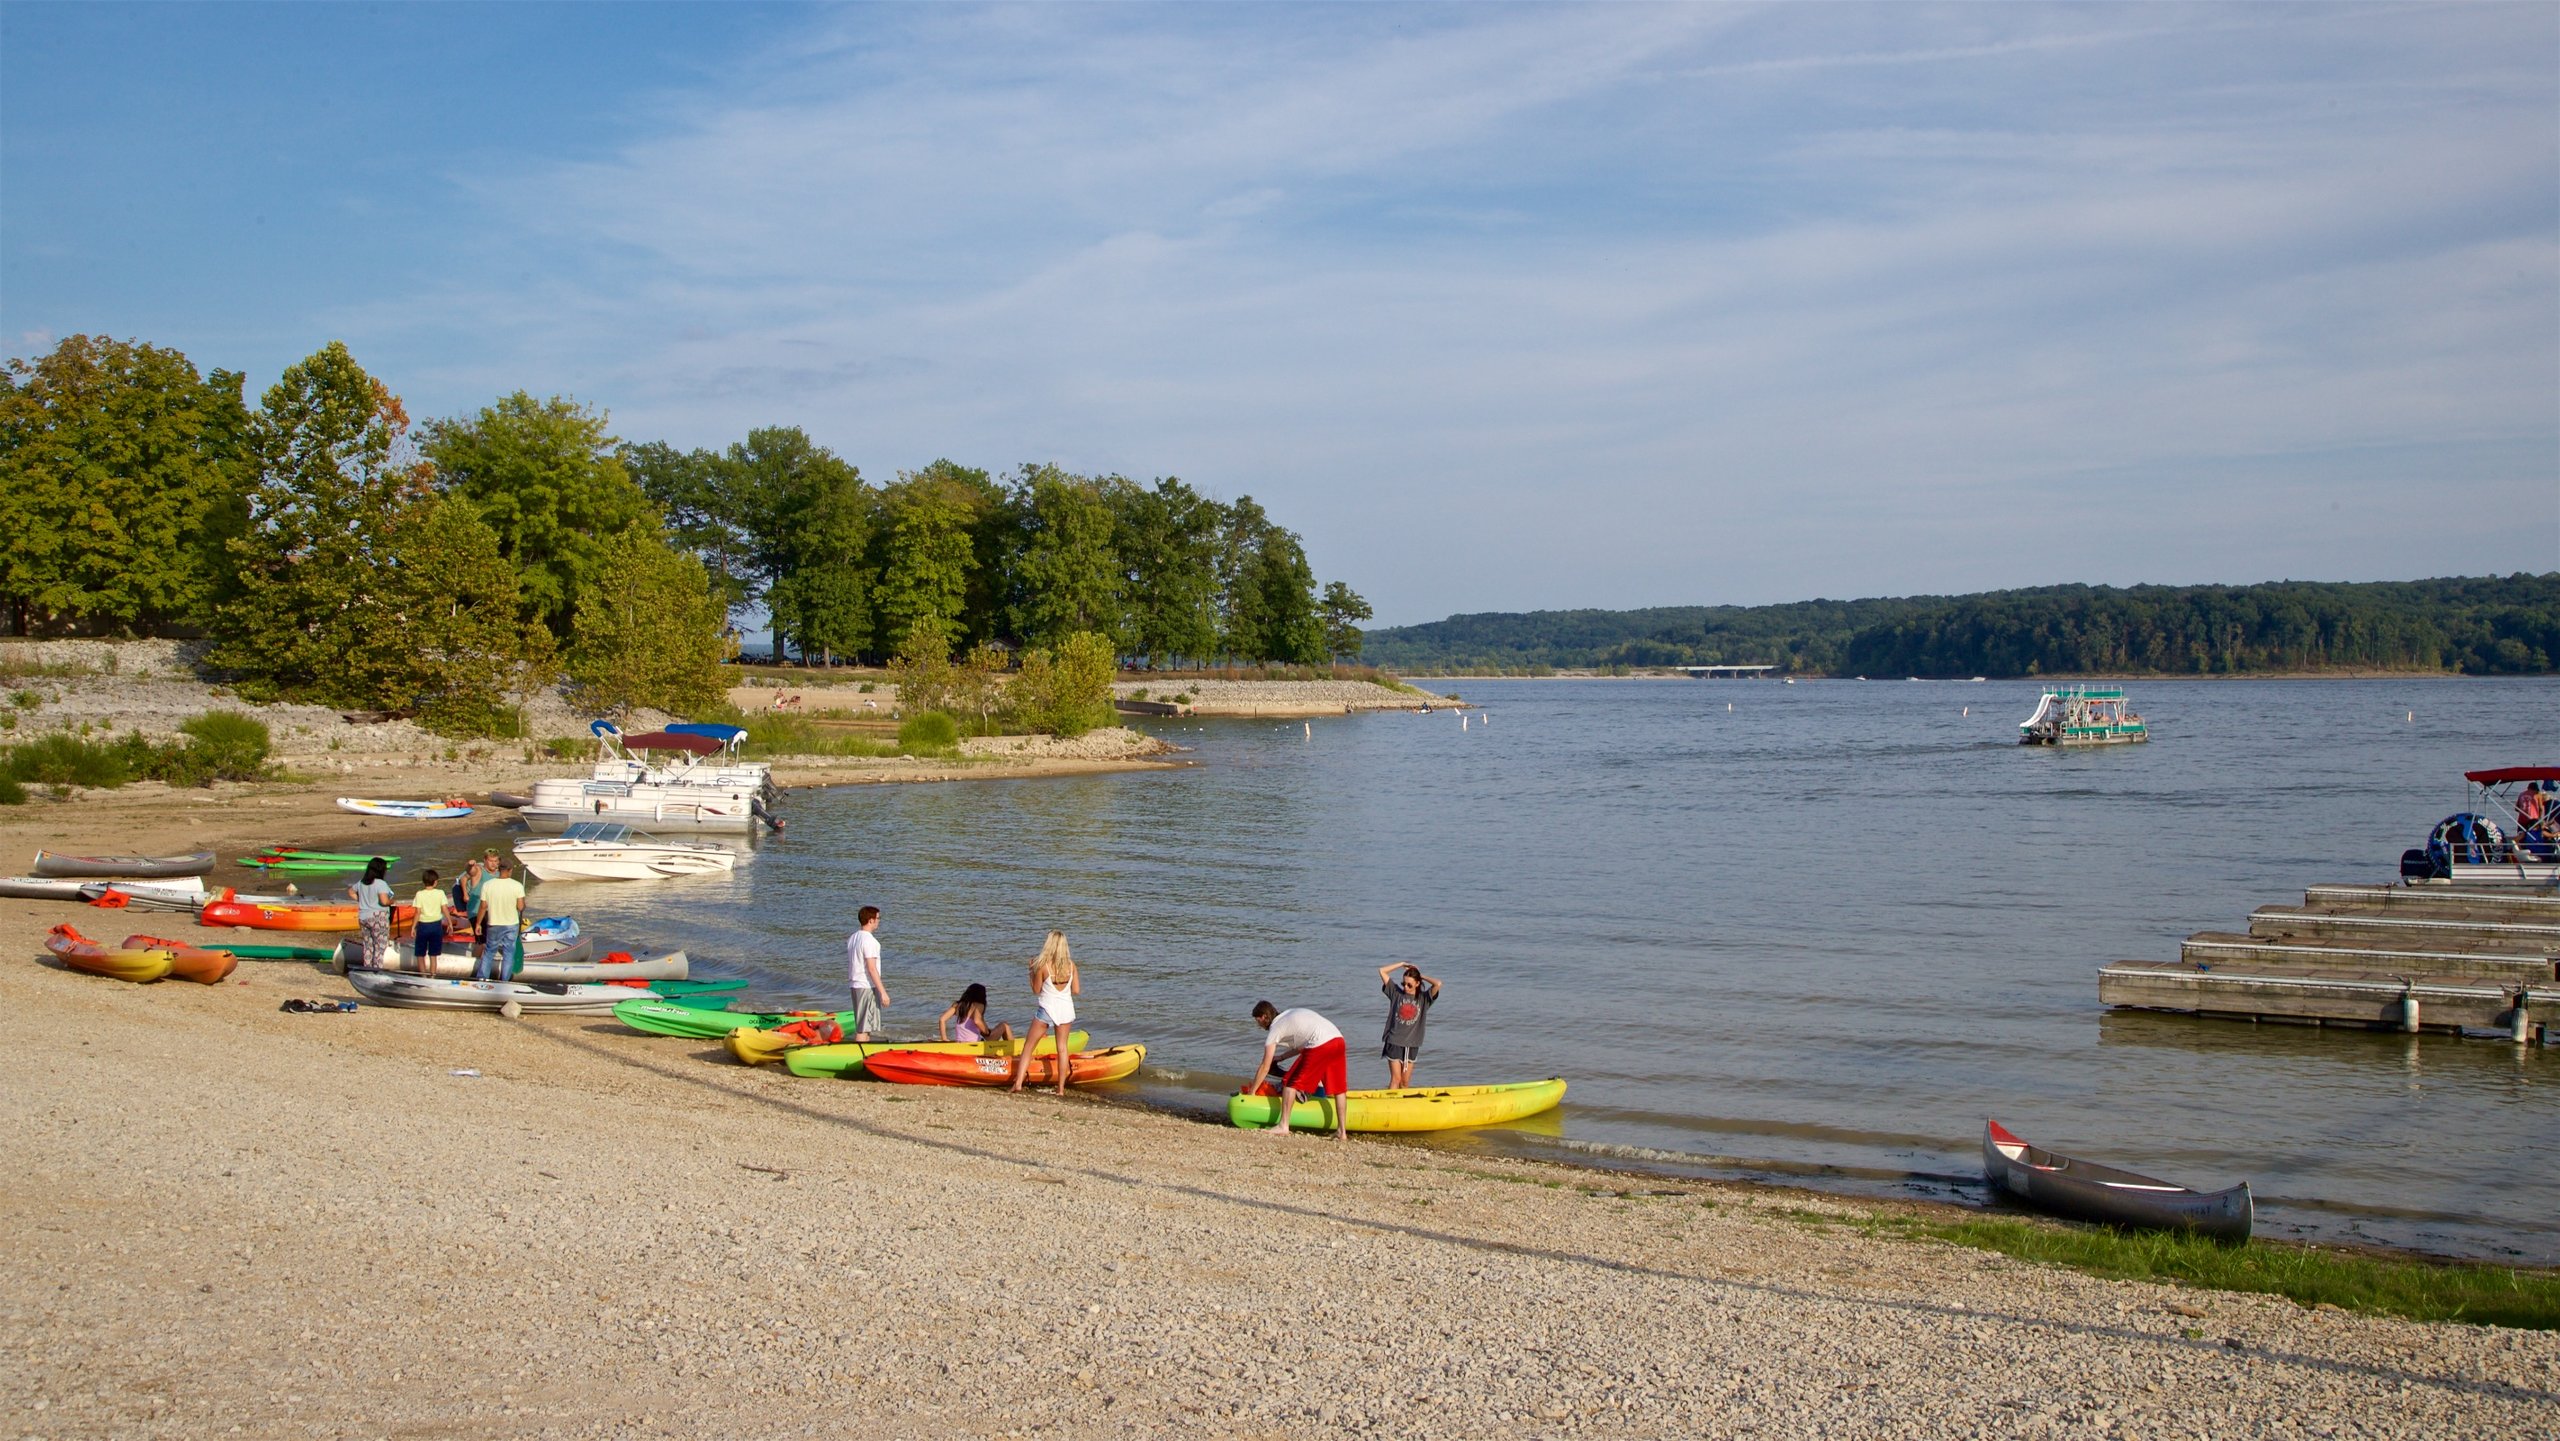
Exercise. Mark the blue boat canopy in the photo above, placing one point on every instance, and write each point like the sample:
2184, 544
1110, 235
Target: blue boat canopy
726, 735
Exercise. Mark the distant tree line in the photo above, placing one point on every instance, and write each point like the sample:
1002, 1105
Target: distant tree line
2480, 626
334, 553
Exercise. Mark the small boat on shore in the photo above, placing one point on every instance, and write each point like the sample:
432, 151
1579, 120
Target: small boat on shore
2083, 715
273, 914
915, 1066
664, 1015
611, 851
2087, 1191
1420, 1108
405, 810
536, 960
119, 868
79, 953
850, 1058
178, 894
400, 988
245, 953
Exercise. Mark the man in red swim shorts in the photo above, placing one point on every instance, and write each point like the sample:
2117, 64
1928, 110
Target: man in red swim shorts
1318, 1064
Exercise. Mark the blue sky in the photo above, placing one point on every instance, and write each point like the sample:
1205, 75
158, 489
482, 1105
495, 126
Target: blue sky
1501, 307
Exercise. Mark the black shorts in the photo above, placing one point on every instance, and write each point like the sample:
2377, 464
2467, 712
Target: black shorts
1402, 1053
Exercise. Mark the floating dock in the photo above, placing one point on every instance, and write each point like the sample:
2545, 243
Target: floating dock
2382, 957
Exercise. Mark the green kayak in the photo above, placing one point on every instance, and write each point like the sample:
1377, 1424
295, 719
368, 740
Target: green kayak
268, 953
286, 853
705, 995
305, 867
671, 1015
848, 1058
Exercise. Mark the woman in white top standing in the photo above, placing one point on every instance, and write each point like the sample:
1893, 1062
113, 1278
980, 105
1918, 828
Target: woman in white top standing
1056, 985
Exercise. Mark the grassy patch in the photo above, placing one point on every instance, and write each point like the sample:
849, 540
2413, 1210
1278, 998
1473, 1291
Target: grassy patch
2411, 1286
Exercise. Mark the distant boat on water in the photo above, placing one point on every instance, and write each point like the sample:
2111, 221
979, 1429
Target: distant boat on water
2082, 715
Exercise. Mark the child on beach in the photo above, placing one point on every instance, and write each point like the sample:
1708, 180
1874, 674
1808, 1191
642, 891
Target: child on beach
966, 1018
1056, 985
1409, 999
373, 912
427, 944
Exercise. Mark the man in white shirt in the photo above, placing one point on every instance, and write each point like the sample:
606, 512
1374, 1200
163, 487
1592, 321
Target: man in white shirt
862, 959
1318, 1063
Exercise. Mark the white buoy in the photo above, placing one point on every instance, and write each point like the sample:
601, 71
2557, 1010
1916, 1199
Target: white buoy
1968, 710
1310, 727
2413, 718
1462, 720
1728, 707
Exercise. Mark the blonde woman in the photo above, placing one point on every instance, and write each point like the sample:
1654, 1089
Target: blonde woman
1055, 982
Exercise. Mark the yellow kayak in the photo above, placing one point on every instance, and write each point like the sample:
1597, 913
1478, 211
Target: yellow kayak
1423, 1108
847, 1058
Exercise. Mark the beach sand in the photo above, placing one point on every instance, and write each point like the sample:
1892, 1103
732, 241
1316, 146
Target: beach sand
234, 1221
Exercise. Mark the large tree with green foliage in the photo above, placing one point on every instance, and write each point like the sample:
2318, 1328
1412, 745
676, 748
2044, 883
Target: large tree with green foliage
695, 492
1065, 577
1268, 607
808, 518
651, 631
358, 584
928, 552
121, 480
545, 475
1341, 610
1166, 540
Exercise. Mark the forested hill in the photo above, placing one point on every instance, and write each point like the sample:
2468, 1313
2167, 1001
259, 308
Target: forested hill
2485, 626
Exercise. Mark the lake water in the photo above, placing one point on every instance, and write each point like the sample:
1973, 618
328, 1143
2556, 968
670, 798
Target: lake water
1810, 933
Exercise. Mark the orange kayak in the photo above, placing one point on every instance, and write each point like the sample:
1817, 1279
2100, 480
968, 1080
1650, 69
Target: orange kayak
209, 968
929, 1068
225, 911
82, 954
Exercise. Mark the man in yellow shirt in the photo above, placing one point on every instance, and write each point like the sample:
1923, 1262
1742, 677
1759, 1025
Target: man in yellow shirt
500, 912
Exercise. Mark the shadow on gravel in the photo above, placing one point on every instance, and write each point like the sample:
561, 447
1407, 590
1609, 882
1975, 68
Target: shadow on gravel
710, 1079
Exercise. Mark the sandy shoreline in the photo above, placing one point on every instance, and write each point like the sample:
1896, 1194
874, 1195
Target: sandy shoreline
232, 1218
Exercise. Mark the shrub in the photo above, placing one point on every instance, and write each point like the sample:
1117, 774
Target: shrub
223, 745
12, 793
931, 733
564, 748
61, 759
1068, 694
25, 699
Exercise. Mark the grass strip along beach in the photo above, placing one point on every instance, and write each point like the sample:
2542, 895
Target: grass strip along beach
389, 1221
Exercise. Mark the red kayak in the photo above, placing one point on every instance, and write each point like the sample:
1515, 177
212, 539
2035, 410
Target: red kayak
933, 1068
313, 916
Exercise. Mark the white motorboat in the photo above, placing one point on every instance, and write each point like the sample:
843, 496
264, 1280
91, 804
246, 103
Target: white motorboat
610, 851
559, 804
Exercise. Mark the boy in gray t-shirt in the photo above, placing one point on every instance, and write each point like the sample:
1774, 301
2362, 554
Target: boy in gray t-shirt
1409, 1000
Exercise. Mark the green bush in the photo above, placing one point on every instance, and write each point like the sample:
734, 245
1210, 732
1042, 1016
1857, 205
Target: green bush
12, 793
931, 733
224, 745
62, 759
564, 748
1066, 694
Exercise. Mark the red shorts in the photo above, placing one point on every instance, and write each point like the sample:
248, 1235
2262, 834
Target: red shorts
1327, 1066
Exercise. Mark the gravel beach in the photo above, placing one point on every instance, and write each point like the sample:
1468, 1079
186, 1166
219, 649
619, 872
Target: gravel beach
238, 1221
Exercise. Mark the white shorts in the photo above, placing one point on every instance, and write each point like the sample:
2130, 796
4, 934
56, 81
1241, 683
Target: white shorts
1058, 1011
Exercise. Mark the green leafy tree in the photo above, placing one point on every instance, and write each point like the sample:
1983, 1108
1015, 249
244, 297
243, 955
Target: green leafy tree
547, 478
122, 477
1166, 539
1341, 610
1065, 576
444, 637
922, 669
695, 492
651, 631
928, 551
1066, 694
335, 472
807, 517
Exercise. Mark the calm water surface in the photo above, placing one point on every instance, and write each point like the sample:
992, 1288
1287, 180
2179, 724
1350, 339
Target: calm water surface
1812, 933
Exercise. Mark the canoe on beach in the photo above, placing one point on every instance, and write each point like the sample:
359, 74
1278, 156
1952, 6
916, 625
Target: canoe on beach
245, 953
532, 955
403, 810
397, 988
180, 893
93, 868
1419, 1108
2088, 1191
80, 953
850, 1058
914, 1066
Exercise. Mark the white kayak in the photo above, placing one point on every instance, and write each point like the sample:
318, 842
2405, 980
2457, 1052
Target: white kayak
404, 810
543, 961
152, 895
396, 988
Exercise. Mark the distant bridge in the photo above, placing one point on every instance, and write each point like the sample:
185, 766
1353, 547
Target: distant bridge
1702, 672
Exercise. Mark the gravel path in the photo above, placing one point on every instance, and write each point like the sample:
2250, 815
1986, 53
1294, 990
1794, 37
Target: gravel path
236, 1220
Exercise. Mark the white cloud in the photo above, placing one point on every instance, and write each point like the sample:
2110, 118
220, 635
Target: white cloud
1546, 307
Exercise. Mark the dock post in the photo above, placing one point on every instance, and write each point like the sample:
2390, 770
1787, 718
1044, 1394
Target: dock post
2409, 1007
2520, 1020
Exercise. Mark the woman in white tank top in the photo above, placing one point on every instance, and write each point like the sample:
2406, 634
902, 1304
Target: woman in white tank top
1055, 985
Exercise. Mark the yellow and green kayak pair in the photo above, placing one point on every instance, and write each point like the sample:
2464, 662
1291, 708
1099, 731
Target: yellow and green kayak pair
1423, 1108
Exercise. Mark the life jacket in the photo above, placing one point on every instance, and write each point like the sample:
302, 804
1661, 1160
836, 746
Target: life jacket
816, 1030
